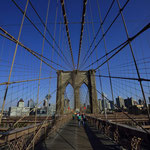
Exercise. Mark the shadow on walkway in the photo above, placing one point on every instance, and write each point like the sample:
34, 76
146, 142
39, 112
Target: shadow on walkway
72, 137
98, 140
62, 140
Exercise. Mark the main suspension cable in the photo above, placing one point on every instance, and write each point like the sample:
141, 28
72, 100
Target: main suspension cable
82, 28
98, 30
67, 30
105, 33
53, 38
39, 31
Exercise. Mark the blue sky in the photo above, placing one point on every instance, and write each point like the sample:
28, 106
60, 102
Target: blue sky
26, 66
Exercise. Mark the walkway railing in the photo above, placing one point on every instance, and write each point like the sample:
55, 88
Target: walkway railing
126, 136
22, 138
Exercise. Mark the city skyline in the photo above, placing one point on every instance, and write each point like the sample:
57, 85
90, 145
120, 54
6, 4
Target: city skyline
121, 65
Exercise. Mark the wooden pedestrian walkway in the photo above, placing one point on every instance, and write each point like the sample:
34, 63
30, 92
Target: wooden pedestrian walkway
73, 137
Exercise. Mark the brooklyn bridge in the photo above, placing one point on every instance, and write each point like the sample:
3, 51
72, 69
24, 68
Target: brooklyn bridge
74, 75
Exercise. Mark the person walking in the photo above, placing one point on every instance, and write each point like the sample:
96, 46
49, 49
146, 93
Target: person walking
83, 119
73, 116
79, 120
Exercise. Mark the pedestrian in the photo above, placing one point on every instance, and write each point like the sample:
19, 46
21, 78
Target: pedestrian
79, 120
73, 116
83, 119
77, 115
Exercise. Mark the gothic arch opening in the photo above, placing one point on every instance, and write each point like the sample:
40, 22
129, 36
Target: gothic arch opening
76, 78
84, 98
68, 98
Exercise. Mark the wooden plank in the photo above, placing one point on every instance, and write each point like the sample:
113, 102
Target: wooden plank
146, 126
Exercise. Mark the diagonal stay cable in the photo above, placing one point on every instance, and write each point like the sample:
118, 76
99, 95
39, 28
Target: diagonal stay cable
12, 64
105, 46
124, 78
13, 82
130, 39
48, 31
39, 31
125, 113
88, 56
98, 30
40, 70
122, 45
82, 27
67, 30
29, 50
33, 109
51, 23
134, 59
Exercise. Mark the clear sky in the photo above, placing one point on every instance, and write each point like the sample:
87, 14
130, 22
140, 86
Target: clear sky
26, 67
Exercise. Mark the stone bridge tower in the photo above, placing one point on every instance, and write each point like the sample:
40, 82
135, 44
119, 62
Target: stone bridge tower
76, 78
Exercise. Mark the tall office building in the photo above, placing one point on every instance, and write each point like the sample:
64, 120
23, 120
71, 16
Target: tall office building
120, 102
108, 105
100, 105
45, 103
129, 102
112, 105
31, 103
20, 110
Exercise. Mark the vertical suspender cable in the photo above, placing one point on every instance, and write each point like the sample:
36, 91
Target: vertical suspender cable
66, 60
105, 51
96, 54
83, 62
135, 63
88, 33
53, 46
14, 56
41, 65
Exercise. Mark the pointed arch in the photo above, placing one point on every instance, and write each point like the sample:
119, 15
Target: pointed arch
68, 98
84, 97
67, 83
76, 78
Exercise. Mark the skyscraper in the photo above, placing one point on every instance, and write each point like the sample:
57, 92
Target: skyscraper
100, 105
129, 102
120, 102
31, 103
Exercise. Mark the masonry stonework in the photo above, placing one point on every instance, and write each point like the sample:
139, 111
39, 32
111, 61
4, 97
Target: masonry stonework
76, 78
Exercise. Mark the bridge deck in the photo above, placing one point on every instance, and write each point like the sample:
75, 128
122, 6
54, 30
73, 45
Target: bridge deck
72, 137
